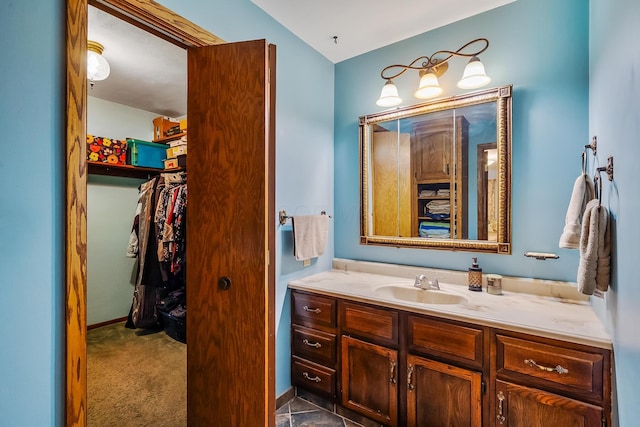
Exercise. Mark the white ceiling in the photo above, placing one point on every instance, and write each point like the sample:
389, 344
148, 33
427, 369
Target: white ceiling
365, 25
147, 72
151, 74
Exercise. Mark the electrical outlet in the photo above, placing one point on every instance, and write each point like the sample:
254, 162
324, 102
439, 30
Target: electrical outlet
306, 263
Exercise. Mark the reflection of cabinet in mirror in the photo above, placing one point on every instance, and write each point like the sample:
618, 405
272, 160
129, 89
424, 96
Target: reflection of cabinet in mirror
439, 186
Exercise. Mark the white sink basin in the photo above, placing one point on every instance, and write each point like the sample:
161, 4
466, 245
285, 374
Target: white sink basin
413, 294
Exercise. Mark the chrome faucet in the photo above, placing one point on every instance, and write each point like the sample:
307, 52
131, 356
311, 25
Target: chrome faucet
423, 282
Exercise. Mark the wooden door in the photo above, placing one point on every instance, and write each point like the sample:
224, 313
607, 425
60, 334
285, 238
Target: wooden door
230, 278
369, 380
442, 395
518, 406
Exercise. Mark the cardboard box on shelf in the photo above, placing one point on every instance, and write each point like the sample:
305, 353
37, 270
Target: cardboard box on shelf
173, 152
163, 127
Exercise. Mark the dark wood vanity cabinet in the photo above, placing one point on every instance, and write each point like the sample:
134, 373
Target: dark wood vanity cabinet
399, 368
314, 343
542, 382
369, 380
440, 394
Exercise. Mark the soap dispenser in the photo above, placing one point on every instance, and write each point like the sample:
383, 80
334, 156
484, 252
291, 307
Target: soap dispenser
475, 276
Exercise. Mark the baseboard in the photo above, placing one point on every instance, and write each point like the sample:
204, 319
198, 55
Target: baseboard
285, 397
108, 322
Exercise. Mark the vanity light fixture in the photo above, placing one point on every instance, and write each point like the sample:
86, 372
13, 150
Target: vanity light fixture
97, 66
430, 68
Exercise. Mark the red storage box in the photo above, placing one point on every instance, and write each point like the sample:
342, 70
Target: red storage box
106, 150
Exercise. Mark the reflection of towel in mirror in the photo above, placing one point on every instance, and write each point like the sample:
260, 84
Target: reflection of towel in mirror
309, 235
583, 191
595, 249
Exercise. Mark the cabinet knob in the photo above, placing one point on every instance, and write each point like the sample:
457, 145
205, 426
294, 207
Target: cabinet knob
409, 375
500, 415
392, 373
558, 368
311, 310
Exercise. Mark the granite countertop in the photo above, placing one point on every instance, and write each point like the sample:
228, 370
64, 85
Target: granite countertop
571, 320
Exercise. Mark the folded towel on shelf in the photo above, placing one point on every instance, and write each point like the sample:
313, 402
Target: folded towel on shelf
309, 235
439, 206
434, 229
595, 250
583, 192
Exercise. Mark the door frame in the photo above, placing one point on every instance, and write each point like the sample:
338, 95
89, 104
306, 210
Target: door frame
164, 23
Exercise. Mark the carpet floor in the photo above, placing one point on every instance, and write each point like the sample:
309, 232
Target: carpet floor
135, 378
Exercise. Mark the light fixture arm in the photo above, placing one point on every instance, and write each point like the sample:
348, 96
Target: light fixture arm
427, 62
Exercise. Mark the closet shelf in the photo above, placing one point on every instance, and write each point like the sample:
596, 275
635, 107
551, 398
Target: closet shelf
127, 171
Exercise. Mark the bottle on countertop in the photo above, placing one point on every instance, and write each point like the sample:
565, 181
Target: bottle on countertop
475, 276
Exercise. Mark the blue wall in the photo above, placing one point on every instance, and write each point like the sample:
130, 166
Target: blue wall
539, 46
31, 212
614, 116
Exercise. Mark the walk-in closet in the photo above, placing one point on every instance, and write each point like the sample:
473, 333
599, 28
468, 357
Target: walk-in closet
136, 231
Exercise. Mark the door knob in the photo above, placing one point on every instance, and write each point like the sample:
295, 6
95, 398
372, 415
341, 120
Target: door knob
224, 283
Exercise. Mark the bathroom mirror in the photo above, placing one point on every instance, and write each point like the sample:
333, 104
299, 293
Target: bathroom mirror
438, 175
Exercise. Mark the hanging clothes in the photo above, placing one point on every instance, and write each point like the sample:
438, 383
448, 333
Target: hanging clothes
160, 217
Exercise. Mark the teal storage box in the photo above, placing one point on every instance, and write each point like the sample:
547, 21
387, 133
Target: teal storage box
146, 154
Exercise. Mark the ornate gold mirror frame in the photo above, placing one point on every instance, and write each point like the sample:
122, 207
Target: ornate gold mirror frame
502, 245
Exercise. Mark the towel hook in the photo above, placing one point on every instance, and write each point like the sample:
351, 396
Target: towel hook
594, 145
584, 161
597, 179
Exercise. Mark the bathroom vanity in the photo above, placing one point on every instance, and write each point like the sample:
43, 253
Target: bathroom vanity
376, 345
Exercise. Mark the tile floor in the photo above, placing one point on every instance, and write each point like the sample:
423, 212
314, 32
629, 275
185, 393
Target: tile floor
299, 413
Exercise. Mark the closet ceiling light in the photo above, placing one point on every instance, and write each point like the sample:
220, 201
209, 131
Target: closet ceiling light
430, 68
97, 67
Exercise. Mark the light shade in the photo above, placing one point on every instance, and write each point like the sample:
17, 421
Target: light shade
474, 75
389, 95
429, 86
97, 67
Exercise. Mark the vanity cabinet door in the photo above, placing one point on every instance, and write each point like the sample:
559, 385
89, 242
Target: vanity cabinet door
439, 394
519, 406
369, 380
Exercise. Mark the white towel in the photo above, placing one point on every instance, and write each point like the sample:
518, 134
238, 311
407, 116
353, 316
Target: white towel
583, 191
309, 235
595, 250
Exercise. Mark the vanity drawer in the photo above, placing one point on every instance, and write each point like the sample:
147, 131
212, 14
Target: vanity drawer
317, 346
375, 324
316, 378
313, 310
552, 366
449, 340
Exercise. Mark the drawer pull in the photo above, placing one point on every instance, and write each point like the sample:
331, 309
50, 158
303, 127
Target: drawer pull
500, 416
392, 373
315, 379
311, 310
559, 369
312, 344
409, 375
